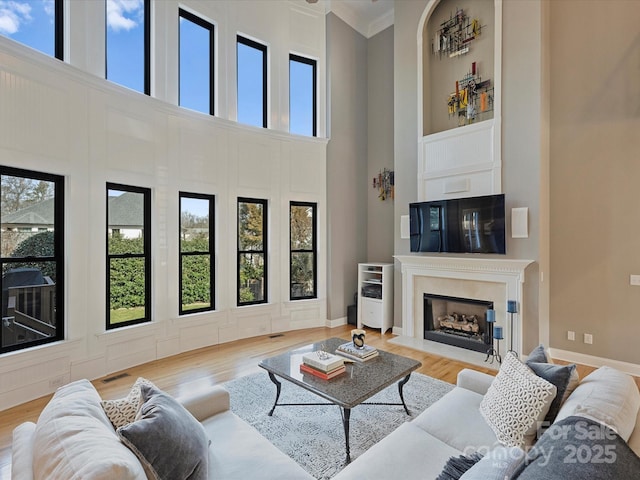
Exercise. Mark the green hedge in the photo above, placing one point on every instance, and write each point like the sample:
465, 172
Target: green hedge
38, 245
127, 274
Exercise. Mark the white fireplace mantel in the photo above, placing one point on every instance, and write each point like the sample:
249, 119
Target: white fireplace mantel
505, 277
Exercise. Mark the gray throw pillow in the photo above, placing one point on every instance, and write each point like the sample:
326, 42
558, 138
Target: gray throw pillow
559, 375
538, 355
169, 442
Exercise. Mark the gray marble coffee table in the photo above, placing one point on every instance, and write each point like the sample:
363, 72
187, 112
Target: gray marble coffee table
361, 381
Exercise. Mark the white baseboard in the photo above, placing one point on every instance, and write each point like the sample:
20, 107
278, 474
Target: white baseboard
396, 330
336, 322
592, 361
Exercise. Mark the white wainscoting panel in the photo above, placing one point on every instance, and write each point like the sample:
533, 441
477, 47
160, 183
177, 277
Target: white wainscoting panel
130, 140
462, 162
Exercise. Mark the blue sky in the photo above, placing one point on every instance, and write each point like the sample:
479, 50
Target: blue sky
32, 22
29, 22
125, 43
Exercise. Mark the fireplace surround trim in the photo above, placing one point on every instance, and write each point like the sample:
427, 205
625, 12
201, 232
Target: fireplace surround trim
508, 272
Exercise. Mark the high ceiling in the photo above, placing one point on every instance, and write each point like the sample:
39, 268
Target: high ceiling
366, 16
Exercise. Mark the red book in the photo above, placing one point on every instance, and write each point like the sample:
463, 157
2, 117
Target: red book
325, 376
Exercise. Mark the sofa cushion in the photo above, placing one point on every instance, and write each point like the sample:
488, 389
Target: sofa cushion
458, 411
499, 464
560, 376
170, 443
607, 396
406, 453
70, 430
123, 410
22, 451
239, 451
516, 402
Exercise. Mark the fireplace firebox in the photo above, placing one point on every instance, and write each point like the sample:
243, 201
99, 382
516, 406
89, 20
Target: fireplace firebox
461, 322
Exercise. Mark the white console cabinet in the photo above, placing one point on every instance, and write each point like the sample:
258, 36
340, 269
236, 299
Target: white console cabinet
375, 295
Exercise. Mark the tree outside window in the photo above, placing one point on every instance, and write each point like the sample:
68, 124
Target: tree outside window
303, 250
252, 248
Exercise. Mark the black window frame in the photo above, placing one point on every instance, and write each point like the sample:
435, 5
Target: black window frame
191, 17
314, 64
211, 252
147, 47
313, 250
59, 30
146, 255
264, 251
58, 257
265, 81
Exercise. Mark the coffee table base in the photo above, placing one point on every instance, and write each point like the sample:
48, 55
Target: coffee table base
345, 412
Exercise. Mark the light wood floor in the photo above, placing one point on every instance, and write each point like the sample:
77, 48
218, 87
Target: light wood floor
220, 363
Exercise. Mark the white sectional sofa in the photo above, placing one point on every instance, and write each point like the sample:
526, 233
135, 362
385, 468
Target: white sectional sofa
454, 426
74, 439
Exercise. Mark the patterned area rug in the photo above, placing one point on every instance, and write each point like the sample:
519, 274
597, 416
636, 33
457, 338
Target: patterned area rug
313, 435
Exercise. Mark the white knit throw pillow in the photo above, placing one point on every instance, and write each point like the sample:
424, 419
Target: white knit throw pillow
516, 401
123, 411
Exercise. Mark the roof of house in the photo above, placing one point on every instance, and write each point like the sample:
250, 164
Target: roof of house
41, 213
126, 210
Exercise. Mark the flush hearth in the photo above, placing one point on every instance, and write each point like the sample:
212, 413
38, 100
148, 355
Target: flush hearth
461, 322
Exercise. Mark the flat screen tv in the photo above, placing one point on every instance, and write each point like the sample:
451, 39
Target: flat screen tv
459, 225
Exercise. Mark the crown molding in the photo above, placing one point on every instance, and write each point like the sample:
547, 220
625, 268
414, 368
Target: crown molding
364, 26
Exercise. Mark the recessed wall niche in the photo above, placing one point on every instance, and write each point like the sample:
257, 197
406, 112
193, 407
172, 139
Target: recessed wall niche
442, 67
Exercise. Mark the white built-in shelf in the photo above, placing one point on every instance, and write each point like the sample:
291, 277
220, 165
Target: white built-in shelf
375, 295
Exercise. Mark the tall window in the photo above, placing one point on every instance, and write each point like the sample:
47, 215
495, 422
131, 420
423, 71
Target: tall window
128, 255
196, 63
128, 43
35, 23
302, 96
303, 250
252, 251
197, 272
252, 82
31, 259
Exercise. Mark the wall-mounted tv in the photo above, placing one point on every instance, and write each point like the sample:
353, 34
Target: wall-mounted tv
459, 225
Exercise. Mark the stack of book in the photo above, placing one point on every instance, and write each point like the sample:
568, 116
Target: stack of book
363, 354
322, 365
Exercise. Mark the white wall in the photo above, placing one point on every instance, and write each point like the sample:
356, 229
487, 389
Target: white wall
66, 119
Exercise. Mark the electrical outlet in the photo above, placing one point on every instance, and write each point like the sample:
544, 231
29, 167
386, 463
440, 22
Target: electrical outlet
634, 280
588, 338
571, 335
